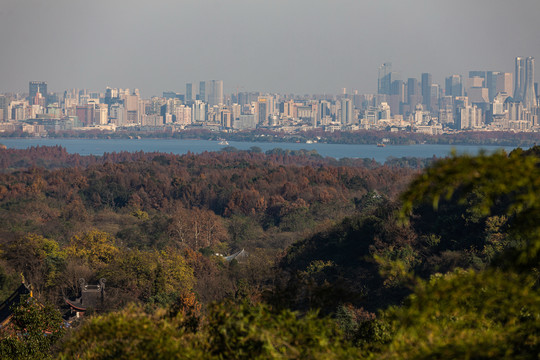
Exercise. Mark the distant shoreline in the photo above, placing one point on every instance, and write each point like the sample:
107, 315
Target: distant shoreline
98, 147
364, 137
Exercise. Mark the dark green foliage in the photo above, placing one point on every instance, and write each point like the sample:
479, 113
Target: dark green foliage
492, 313
468, 315
255, 332
132, 334
230, 331
453, 273
339, 265
33, 330
503, 185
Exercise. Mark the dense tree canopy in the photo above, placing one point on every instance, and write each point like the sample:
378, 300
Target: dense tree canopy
337, 265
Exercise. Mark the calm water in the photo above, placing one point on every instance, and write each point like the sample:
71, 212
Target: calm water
99, 147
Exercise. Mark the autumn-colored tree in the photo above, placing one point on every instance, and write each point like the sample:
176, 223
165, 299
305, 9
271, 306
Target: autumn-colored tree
196, 228
39, 259
96, 247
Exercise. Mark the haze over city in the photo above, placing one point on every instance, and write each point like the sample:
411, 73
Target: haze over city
295, 46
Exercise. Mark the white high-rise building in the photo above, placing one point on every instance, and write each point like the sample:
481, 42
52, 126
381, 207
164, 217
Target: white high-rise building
346, 111
198, 112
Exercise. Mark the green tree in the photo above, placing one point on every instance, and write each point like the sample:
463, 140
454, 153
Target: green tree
32, 331
133, 334
505, 185
243, 331
492, 313
39, 259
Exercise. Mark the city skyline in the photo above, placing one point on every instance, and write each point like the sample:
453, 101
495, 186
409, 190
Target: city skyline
283, 46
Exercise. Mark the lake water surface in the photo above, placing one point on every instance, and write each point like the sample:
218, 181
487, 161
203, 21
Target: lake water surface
175, 146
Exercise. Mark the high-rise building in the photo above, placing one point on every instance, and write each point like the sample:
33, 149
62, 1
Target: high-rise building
101, 114
198, 112
491, 83
426, 90
346, 111
519, 78
385, 74
414, 96
454, 86
131, 106
4, 106
397, 96
202, 91
85, 114
215, 92
497, 82
189, 92
412, 86
477, 73
504, 84
35, 87
262, 111
182, 115
434, 94
529, 96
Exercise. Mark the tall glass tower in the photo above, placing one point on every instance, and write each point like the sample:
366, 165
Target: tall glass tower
519, 78
529, 96
426, 89
385, 71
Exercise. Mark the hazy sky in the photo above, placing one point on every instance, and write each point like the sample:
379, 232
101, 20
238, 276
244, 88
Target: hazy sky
292, 46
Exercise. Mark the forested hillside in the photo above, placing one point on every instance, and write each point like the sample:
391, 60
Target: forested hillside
339, 264
140, 205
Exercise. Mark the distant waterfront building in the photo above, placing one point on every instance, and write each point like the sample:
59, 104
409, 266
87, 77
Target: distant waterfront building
414, 96
189, 92
198, 112
385, 73
85, 114
214, 90
131, 105
454, 86
529, 96
426, 90
519, 78
245, 122
384, 111
202, 91
491, 83
182, 115
35, 87
396, 98
346, 111
435, 94
475, 81
478, 73
262, 111
226, 119
478, 95
117, 114
101, 114
468, 117
4, 106
504, 84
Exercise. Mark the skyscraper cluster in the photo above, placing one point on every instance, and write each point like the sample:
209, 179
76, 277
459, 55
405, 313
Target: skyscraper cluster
483, 100
480, 100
